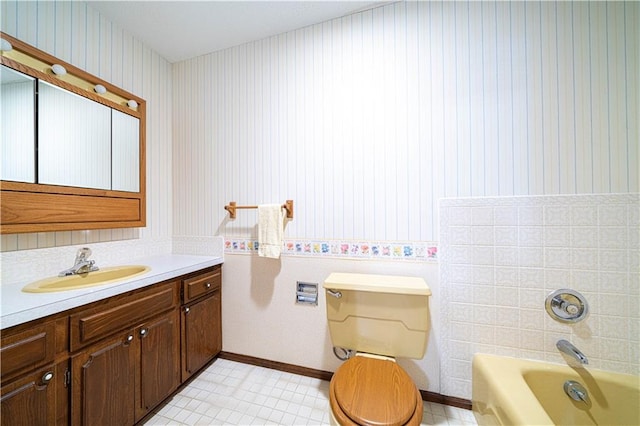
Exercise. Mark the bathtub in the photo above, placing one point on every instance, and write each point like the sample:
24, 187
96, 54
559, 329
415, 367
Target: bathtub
510, 391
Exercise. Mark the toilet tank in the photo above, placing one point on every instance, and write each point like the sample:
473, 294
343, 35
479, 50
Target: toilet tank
378, 314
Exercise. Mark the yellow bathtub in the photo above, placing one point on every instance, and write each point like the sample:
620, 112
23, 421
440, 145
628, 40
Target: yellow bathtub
510, 391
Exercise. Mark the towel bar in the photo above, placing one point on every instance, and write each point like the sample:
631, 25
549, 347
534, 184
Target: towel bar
232, 207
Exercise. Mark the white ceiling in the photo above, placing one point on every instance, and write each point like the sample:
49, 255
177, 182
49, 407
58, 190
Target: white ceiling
180, 30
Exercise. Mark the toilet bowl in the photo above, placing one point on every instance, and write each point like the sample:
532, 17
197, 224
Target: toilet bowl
379, 317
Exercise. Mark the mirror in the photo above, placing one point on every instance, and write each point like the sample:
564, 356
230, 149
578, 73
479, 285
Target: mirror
73, 157
81, 143
18, 130
74, 139
124, 152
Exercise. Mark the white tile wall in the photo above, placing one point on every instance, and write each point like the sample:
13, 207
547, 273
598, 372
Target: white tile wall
494, 286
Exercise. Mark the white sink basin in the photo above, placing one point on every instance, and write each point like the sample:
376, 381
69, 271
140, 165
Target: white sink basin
90, 279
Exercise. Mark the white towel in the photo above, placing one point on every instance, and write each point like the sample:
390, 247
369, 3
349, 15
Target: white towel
270, 230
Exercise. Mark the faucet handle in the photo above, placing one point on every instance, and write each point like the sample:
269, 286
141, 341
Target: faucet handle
83, 254
566, 305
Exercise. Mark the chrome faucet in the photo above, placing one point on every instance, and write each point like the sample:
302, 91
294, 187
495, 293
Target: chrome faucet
82, 264
568, 348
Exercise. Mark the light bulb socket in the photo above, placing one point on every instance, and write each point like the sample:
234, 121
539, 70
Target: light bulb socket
58, 69
132, 104
100, 89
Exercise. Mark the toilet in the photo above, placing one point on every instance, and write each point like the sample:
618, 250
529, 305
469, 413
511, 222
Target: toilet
379, 318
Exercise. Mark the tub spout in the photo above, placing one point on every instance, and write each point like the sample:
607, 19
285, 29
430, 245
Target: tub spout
568, 348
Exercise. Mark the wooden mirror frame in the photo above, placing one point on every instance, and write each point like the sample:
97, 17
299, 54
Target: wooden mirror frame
32, 207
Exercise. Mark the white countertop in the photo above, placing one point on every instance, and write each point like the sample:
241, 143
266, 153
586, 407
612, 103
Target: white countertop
17, 307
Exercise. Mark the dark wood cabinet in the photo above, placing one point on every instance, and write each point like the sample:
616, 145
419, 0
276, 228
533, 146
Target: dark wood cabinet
119, 380
112, 361
201, 333
202, 284
28, 349
201, 320
31, 399
95, 323
159, 361
34, 388
103, 386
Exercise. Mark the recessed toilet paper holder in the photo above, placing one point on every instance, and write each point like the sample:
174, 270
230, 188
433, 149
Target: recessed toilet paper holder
567, 306
307, 293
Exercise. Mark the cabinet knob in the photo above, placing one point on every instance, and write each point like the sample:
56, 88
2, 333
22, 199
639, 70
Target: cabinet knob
46, 378
129, 338
143, 332
186, 310
208, 285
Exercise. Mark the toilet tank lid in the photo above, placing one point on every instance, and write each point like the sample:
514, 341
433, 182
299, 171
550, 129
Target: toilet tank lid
395, 284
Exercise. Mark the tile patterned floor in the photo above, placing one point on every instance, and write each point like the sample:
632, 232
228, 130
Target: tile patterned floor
233, 393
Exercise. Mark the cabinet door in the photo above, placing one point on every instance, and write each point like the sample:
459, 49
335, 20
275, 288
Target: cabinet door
159, 373
201, 333
30, 400
103, 382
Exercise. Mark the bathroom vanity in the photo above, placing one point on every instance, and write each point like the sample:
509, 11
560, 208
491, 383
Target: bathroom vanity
115, 359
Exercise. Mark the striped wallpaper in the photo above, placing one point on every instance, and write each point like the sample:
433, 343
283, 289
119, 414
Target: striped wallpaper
366, 121
76, 33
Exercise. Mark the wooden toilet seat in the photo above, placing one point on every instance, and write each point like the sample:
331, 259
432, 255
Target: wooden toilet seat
370, 391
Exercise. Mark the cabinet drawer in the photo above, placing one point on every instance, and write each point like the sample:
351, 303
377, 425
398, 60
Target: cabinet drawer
28, 349
99, 322
202, 284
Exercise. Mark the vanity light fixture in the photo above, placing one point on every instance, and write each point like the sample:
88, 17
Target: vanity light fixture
99, 88
5, 46
132, 104
58, 69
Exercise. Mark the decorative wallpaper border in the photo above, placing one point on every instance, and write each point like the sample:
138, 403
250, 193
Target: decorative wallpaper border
417, 251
